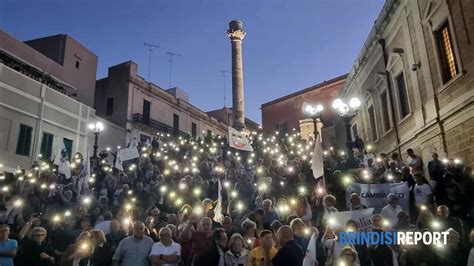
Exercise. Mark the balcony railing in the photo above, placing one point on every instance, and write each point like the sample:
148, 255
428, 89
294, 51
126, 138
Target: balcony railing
36, 74
157, 125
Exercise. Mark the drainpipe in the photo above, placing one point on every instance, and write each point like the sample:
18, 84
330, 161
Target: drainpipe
389, 89
38, 125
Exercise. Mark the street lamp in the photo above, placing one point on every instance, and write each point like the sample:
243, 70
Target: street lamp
347, 112
314, 111
96, 129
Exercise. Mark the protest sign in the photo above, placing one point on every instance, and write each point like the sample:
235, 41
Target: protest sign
375, 195
128, 154
362, 217
238, 140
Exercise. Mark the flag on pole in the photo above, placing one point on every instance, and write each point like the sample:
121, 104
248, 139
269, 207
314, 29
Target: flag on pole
118, 162
310, 256
83, 185
218, 209
87, 169
317, 160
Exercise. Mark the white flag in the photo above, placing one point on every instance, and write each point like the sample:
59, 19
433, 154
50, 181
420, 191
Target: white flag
310, 257
118, 162
62, 162
238, 140
83, 184
57, 155
317, 161
218, 209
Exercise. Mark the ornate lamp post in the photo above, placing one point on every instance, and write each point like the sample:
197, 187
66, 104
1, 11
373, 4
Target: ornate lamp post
314, 111
347, 111
96, 128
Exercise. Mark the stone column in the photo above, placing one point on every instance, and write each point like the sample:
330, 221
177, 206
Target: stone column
236, 35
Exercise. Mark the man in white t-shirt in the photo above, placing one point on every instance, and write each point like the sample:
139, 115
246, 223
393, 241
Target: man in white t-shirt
415, 162
422, 191
166, 252
105, 224
389, 212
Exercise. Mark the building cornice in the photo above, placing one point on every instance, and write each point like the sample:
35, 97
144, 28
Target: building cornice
323, 84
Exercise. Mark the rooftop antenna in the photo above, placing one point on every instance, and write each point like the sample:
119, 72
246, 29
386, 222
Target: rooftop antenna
224, 73
171, 54
150, 49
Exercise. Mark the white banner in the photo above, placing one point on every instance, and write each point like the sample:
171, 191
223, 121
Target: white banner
306, 129
238, 140
128, 154
362, 217
375, 195
310, 257
62, 161
317, 160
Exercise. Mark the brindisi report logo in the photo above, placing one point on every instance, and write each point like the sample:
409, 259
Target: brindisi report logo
393, 238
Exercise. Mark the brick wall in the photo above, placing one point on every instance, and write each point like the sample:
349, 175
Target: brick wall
460, 141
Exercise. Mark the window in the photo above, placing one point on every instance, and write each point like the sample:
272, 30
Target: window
47, 145
402, 95
282, 128
77, 64
175, 124
68, 146
144, 138
385, 113
373, 126
193, 130
449, 66
354, 131
146, 111
24, 140
109, 107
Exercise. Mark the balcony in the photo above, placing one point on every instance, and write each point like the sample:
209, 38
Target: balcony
157, 125
36, 74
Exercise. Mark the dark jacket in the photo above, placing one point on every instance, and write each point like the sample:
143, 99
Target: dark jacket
102, 256
29, 254
290, 254
208, 257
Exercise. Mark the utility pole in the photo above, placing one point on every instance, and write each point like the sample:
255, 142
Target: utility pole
224, 73
171, 54
150, 49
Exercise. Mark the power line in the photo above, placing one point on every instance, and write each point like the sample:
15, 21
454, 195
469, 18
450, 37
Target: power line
150, 49
171, 54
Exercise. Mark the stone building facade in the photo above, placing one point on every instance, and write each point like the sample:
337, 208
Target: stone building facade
415, 77
225, 115
145, 109
40, 110
284, 114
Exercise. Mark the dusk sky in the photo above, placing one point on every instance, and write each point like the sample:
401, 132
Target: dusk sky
290, 45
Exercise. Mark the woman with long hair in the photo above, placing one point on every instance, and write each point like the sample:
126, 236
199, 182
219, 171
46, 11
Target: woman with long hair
102, 254
79, 253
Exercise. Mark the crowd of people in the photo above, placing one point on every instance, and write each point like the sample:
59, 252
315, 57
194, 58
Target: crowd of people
200, 202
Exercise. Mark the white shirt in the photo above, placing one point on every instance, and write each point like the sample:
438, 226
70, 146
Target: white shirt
104, 226
470, 260
221, 256
160, 249
390, 214
421, 193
